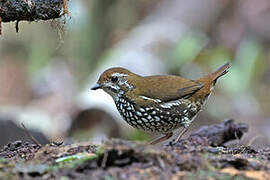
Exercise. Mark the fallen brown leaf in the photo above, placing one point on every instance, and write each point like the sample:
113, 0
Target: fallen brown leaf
260, 175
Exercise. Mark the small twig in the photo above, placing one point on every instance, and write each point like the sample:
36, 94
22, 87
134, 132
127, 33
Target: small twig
0, 25
161, 162
30, 136
251, 141
104, 160
17, 26
237, 138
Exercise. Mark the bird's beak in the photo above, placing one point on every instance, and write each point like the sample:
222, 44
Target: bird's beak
96, 86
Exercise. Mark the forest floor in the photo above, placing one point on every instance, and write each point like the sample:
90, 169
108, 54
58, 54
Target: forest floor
203, 155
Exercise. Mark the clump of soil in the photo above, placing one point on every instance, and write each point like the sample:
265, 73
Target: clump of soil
202, 155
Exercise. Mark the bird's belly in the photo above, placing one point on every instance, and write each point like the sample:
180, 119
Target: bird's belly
162, 118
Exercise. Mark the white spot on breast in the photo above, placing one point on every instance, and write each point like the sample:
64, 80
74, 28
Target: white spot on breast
138, 113
149, 117
157, 118
144, 119
142, 110
186, 119
166, 106
154, 112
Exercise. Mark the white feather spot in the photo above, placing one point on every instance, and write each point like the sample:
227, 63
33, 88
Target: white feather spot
144, 120
142, 110
157, 118
138, 113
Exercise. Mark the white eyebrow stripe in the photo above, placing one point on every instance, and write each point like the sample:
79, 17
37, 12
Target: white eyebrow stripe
122, 81
119, 74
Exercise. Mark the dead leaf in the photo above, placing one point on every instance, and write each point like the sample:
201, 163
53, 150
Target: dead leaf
260, 175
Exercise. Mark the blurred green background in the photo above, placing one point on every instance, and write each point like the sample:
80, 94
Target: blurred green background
47, 69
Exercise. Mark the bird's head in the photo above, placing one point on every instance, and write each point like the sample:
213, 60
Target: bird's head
115, 81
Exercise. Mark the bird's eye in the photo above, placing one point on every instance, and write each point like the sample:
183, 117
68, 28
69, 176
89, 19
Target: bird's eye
114, 79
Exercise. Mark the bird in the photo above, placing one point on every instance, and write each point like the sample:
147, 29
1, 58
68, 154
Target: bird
158, 103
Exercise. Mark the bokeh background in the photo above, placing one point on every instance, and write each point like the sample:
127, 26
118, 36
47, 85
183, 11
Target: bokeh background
47, 69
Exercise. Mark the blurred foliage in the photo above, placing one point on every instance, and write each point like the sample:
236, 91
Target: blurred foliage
139, 136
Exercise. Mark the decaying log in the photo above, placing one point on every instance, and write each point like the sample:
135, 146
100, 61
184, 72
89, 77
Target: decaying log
31, 10
216, 135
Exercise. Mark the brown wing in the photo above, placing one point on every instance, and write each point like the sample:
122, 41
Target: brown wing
188, 91
166, 88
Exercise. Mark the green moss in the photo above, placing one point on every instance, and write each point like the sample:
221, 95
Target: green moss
100, 151
138, 136
76, 159
203, 174
107, 177
3, 160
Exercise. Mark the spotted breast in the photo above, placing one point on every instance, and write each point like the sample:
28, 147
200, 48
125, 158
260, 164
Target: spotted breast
163, 117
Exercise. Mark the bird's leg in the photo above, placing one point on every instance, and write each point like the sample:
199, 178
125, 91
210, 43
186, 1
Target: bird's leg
162, 138
184, 130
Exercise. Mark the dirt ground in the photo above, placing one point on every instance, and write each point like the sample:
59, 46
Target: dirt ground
203, 155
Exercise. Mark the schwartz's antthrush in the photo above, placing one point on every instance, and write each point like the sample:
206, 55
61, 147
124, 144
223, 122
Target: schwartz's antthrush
158, 103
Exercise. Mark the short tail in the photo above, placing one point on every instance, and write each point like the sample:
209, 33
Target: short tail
218, 73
